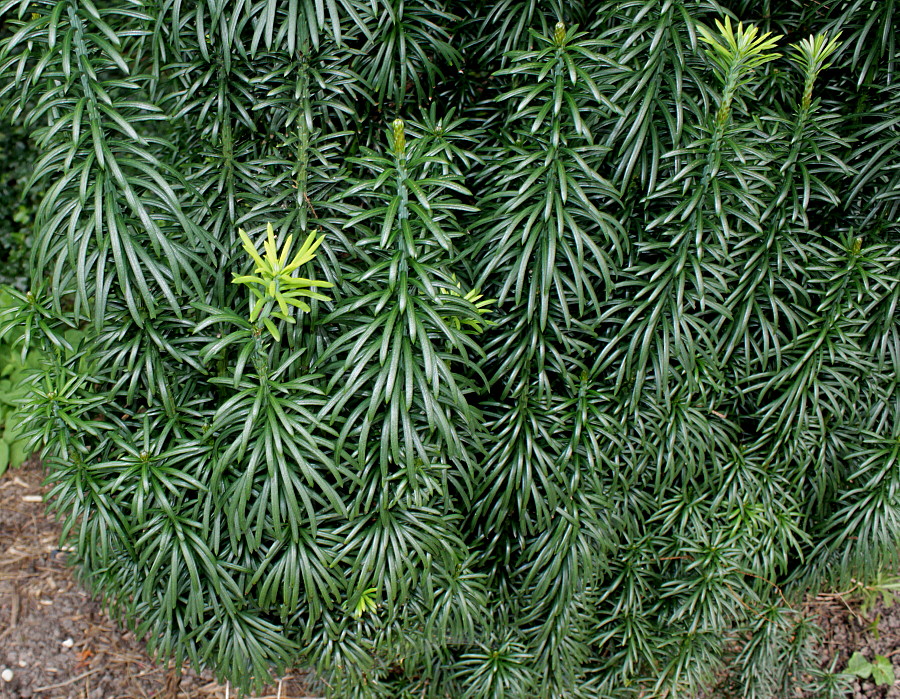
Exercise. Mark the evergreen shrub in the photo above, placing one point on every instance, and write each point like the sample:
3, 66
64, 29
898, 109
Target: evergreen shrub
467, 349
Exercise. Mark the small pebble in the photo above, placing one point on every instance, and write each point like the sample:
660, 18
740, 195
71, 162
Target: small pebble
6, 675
68, 643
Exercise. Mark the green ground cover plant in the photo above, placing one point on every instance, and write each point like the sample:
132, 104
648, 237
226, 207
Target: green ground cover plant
467, 349
881, 671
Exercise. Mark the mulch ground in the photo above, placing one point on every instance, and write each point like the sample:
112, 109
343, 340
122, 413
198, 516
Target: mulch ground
55, 640
59, 644
850, 626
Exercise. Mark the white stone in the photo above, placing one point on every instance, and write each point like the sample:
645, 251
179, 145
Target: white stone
6, 675
68, 643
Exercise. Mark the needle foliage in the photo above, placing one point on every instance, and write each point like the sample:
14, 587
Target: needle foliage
467, 349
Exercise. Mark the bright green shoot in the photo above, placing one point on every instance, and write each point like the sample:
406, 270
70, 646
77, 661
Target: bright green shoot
811, 54
273, 283
367, 603
474, 297
736, 52
738, 48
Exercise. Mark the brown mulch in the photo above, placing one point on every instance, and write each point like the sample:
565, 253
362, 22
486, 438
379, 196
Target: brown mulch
850, 626
55, 640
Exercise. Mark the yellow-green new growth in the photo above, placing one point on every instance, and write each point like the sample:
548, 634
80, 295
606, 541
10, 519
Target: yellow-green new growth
366, 603
474, 297
559, 33
399, 136
273, 274
738, 48
811, 54
736, 52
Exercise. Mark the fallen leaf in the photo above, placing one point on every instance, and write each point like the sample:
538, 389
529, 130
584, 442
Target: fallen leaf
83, 656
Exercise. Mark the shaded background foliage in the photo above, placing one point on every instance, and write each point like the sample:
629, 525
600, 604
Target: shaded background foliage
679, 415
16, 206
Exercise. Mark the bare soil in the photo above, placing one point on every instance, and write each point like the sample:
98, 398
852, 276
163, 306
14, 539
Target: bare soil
851, 624
59, 644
